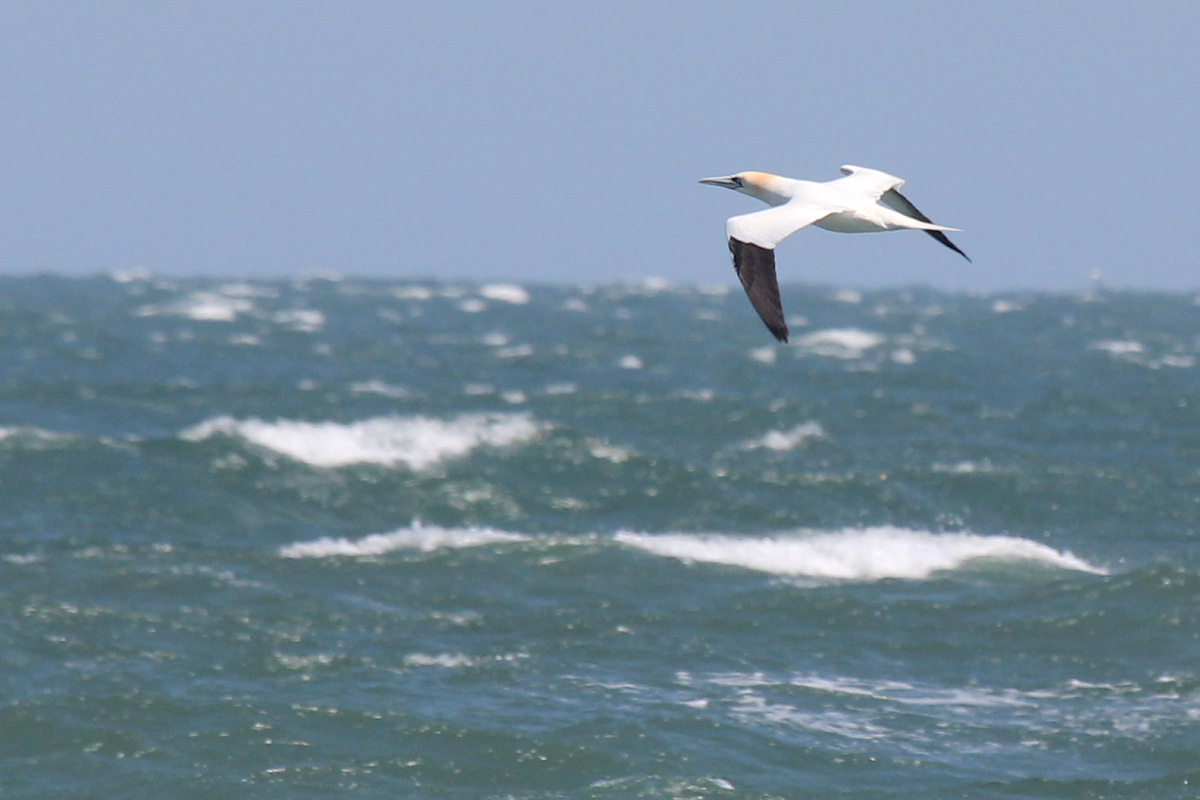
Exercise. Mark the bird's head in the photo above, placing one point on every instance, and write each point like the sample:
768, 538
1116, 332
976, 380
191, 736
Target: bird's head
761, 185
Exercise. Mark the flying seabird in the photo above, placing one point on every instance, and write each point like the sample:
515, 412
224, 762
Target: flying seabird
846, 205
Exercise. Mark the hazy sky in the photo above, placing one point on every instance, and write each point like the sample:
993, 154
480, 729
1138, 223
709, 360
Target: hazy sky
563, 141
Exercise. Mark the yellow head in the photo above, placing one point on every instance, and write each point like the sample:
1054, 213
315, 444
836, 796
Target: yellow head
761, 185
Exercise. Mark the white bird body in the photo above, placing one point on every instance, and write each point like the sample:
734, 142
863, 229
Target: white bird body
846, 205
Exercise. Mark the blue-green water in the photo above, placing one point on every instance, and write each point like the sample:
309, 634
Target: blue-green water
338, 538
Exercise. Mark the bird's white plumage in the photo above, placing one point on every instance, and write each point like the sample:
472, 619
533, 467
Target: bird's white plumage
846, 205
868, 181
864, 201
770, 227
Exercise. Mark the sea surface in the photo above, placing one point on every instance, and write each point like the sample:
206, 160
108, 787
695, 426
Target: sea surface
331, 537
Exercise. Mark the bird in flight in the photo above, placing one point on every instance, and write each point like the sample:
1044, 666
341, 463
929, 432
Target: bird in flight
846, 205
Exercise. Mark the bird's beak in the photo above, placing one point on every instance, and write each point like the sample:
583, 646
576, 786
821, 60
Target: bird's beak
728, 182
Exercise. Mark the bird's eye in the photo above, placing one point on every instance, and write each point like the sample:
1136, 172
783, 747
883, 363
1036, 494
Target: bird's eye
738, 181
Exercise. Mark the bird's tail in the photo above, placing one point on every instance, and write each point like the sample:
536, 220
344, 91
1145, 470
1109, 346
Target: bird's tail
895, 219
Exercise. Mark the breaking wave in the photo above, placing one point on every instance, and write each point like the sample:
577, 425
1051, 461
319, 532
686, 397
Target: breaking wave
854, 554
786, 440
418, 537
847, 343
417, 442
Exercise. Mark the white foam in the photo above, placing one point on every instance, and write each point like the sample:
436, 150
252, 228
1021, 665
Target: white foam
630, 362
33, 437
412, 293
516, 351
764, 354
1119, 347
495, 339
305, 320
417, 442
422, 538
247, 290
203, 307
447, 660
505, 293
609, 452
129, 275
840, 342
376, 386
854, 554
786, 440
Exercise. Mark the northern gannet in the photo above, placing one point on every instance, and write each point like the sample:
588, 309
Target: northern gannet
846, 205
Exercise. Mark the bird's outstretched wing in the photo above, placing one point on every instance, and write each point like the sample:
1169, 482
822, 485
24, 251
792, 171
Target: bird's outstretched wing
771, 226
868, 181
899, 202
755, 267
752, 240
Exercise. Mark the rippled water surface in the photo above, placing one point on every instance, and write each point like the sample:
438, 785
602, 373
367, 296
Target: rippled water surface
324, 538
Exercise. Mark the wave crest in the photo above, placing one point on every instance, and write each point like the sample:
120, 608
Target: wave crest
865, 554
418, 537
417, 442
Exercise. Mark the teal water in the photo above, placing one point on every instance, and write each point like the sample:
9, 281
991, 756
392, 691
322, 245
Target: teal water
324, 538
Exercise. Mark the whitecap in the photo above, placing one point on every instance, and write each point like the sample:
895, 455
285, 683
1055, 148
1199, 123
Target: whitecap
417, 442
412, 293
505, 293
447, 660
630, 362
495, 339
422, 538
764, 354
203, 307
305, 320
247, 290
516, 351
129, 275
1119, 347
786, 440
840, 342
610, 452
376, 386
32, 437
862, 554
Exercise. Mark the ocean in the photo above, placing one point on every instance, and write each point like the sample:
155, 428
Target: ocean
332, 537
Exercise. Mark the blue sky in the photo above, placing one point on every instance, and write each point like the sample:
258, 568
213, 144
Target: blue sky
563, 142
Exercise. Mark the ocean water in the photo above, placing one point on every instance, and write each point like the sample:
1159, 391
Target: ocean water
344, 538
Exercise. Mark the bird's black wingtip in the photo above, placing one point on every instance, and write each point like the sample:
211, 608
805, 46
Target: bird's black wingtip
944, 239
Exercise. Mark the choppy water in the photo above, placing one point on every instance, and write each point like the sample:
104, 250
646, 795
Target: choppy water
408, 539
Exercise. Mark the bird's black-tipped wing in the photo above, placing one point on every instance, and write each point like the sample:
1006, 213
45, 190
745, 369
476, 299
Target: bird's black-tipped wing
755, 268
899, 202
